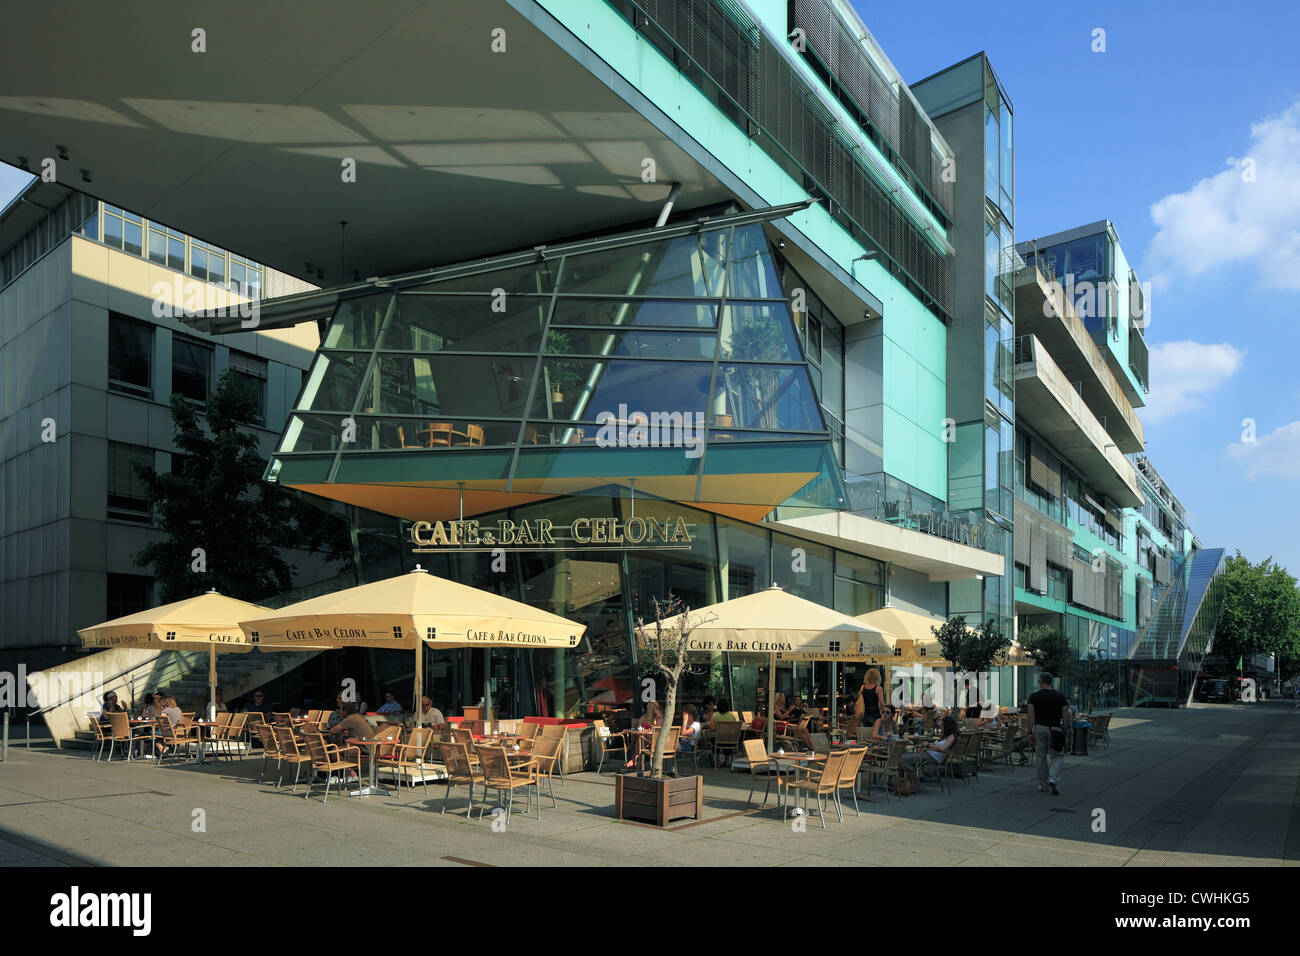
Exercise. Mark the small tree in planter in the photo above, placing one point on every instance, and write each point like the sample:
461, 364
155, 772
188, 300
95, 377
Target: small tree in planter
666, 656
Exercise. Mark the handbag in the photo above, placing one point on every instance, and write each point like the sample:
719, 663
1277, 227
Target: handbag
906, 784
1058, 740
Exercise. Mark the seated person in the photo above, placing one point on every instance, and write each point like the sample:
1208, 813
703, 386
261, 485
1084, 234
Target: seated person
430, 716
707, 709
337, 713
351, 724
690, 734
723, 714
257, 704
653, 716
110, 706
797, 710
150, 709
928, 762
884, 727
220, 702
173, 712
989, 717
780, 713
390, 704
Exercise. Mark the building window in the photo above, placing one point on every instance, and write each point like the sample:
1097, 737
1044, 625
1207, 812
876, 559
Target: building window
130, 356
251, 372
191, 367
128, 594
127, 498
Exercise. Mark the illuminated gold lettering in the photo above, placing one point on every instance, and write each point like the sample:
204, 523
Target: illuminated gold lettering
634, 530
600, 531
581, 530
544, 531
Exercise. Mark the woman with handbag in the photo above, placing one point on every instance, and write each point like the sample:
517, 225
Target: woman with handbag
871, 699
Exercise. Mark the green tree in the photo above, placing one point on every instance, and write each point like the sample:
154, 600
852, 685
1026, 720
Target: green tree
1049, 648
225, 528
950, 636
1261, 611
982, 647
1094, 679
972, 650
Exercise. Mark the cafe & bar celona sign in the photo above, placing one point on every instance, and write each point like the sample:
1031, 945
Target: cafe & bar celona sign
542, 534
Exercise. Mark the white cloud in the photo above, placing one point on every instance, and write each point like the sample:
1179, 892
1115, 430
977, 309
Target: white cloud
1182, 373
1225, 218
1276, 455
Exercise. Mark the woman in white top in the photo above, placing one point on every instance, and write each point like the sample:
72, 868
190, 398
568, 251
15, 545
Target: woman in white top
690, 728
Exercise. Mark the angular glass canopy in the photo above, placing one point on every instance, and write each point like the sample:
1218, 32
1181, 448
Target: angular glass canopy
670, 364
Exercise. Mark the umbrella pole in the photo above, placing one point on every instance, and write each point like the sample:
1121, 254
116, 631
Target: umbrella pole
771, 687
212, 682
419, 680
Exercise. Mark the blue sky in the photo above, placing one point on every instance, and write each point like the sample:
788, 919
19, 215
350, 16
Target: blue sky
1142, 134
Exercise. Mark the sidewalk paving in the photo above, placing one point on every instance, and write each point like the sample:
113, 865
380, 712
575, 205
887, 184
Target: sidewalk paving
1209, 785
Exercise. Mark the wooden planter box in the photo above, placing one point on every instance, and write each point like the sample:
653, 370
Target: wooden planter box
658, 800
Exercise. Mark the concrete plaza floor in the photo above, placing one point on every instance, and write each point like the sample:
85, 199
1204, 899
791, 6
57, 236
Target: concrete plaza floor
1209, 785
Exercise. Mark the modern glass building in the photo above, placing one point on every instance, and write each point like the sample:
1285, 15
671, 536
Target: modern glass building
972, 110
1102, 551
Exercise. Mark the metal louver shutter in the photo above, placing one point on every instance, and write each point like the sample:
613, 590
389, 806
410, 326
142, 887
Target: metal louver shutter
1042, 473
1038, 559
1022, 536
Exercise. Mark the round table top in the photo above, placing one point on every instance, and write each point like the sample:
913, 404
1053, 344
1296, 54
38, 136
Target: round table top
371, 741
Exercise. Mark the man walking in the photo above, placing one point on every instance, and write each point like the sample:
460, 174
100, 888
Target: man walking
1049, 716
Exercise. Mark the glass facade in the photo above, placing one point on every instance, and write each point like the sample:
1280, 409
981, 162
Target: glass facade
677, 362
609, 592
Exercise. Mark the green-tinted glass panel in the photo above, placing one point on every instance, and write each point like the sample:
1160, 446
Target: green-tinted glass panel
590, 387
467, 323
773, 398
535, 277
356, 322
450, 385
334, 380
992, 147
632, 344
313, 433
687, 266
743, 557
620, 312
751, 274
758, 333
859, 568
810, 575
852, 598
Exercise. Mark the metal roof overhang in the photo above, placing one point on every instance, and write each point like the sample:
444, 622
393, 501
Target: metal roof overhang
460, 151
314, 306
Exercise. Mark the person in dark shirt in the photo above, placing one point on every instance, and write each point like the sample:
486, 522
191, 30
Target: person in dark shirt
1048, 710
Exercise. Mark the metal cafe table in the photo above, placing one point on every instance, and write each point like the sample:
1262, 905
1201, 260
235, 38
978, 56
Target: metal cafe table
373, 787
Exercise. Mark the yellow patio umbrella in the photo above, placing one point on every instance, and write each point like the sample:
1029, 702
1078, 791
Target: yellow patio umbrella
407, 612
780, 625
910, 626
209, 622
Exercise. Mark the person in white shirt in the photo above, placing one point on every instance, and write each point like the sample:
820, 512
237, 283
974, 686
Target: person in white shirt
690, 728
430, 716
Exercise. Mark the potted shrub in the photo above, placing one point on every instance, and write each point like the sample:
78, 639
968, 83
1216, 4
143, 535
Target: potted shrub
657, 797
563, 375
